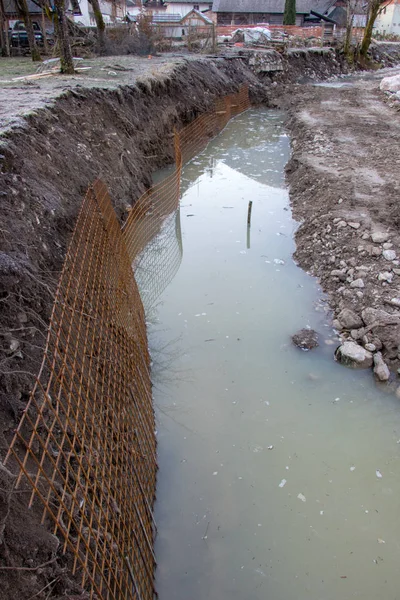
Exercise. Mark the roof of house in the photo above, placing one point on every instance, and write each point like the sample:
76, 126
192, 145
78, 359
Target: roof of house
10, 7
188, 2
269, 6
175, 18
198, 15
164, 18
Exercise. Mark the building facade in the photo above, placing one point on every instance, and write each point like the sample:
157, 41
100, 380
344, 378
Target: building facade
388, 21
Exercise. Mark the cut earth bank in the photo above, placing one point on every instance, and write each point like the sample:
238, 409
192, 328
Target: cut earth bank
83, 128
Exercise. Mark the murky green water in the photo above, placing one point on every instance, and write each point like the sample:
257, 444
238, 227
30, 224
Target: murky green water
279, 470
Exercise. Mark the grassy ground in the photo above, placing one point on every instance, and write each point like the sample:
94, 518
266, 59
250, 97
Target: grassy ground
19, 97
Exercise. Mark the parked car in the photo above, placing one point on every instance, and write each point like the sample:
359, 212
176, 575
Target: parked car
19, 37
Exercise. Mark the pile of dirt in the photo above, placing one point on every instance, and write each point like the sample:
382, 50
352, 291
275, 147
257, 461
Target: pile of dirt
344, 188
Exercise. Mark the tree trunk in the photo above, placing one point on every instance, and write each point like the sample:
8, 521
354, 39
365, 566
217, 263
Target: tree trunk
349, 31
46, 45
26, 17
289, 16
373, 13
4, 43
61, 25
101, 27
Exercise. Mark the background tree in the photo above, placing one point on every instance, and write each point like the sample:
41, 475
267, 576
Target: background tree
23, 10
101, 26
374, 8
353, 7
289, 16
4, 44
61, 27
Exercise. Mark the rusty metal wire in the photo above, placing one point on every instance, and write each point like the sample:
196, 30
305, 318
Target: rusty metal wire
150, 210
86, 441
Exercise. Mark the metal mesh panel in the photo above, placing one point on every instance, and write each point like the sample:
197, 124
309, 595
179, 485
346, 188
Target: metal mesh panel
86, 441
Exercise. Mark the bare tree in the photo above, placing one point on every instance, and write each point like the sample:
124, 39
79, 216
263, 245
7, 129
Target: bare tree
23, 10
4, 43
374, 8
61, 26
101, 27
352, 8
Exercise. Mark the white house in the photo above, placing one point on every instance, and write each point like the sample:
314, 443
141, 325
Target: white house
81, 12
388, 21
175, 26
180, 7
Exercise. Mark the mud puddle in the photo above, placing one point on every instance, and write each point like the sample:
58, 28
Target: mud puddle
278, 469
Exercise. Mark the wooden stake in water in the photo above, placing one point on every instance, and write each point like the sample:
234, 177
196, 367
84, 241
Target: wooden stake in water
249, 223
249, 213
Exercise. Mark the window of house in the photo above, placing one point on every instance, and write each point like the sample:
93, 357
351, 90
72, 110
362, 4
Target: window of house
196, 6
76, 10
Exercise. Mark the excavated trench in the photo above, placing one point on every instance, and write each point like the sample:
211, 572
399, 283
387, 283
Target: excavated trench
278, 468
47, 163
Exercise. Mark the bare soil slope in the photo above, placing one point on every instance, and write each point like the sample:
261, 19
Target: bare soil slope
345, 187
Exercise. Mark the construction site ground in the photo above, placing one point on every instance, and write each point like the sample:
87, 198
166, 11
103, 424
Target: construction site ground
344, 186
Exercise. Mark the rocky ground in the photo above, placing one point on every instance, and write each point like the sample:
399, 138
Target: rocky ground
344, 177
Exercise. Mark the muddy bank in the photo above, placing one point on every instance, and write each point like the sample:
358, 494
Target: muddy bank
344, 186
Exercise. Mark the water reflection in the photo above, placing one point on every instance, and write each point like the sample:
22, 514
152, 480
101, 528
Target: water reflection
159, 263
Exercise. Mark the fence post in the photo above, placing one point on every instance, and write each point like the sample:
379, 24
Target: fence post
214, 38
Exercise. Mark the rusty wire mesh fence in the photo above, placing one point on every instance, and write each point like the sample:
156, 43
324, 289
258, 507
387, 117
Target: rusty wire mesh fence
86, 441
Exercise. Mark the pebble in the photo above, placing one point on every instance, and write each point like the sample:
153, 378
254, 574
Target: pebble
389, 254
354, 225
338, 273
353, 355
357, 283
385, 276
341, 224
365, 236
379, 237
349, 319
396, 271
376, 251
370, 347
381, 370
395, 301
387, 245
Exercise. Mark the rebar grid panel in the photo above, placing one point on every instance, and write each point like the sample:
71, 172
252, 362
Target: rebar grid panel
149, 211
88, 428
86, 441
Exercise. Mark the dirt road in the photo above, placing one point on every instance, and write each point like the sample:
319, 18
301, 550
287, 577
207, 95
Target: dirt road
345, 188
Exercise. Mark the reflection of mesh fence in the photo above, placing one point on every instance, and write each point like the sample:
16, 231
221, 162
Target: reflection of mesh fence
159, 263
155, 204
86, 441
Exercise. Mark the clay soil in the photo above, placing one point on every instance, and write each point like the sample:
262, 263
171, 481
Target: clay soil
344, 178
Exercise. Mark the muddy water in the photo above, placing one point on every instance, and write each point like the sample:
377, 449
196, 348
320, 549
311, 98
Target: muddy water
279, 470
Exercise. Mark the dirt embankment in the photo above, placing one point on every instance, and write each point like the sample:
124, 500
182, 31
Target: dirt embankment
344, 177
